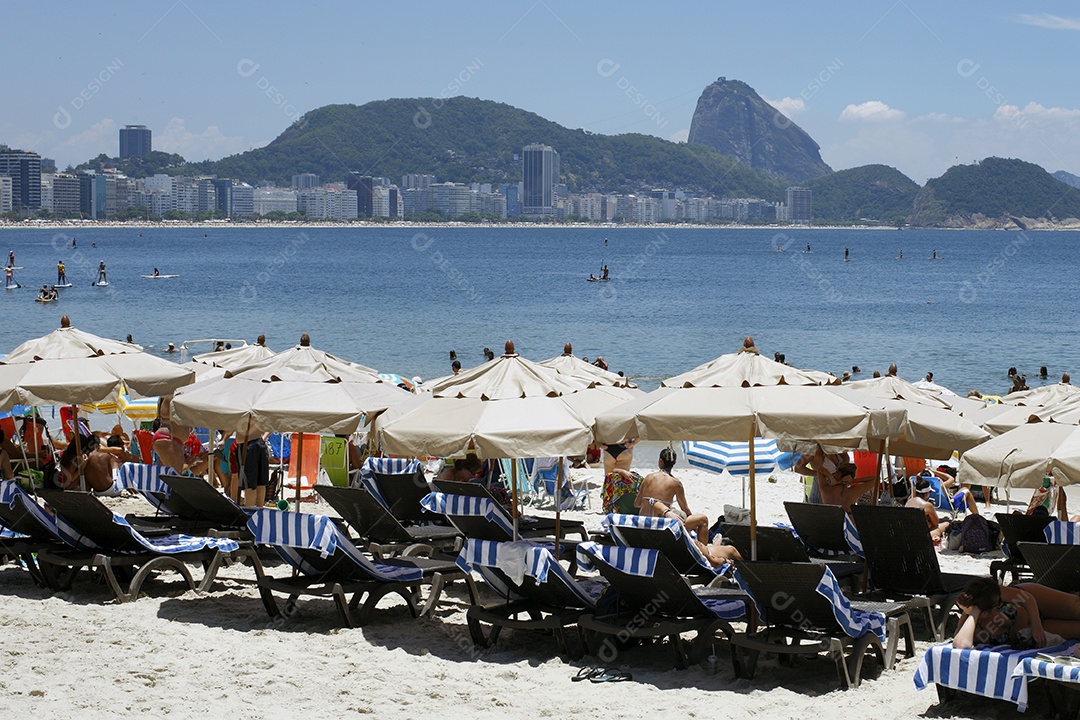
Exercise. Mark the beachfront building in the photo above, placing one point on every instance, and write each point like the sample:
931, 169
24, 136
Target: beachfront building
452, 200
267, 200
386, 201
241, 199
5, 194
24, 169
799, 205
60, 193
135, 141
363, 185
540, 175
327, 204
417, 181
305, 181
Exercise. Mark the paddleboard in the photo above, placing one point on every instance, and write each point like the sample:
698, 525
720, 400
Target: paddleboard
41, 299
846, 260
62, 285
598, 279
100, 284
159, 277
15, 267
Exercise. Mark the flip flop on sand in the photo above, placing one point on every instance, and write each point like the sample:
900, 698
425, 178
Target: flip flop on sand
611, 676
588, 673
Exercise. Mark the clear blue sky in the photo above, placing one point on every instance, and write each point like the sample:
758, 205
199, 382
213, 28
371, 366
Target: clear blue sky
917, 84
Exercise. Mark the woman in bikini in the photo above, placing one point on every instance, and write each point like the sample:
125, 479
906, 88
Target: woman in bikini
1027, 615
619, 455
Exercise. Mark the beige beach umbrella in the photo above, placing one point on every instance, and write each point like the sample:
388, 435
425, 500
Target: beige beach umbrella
747, 368
234, 358
301, 390
509, 407
1022, 457
737, 398
573, 366
1042, 396
69, 366
934, 429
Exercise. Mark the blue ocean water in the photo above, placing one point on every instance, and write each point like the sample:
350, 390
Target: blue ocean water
399, 299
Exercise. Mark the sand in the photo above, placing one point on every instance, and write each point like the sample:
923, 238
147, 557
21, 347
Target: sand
178, 654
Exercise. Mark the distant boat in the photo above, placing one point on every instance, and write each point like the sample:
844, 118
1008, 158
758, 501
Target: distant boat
159, 277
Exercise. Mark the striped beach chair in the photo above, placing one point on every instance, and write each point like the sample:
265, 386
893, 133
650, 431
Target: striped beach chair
531, 582
985, 670
822, 529
804, 612
398, 484
667, 535
1017, 528
82, 516
145, 479
529, 526
1061, 670
331, 566
661, 604
28, 529
1061, 532
1053, 565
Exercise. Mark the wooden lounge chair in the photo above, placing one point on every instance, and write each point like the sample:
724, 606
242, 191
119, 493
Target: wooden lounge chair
331, 566
820, 529
537, 592
528, 525
382, 531
662, 604
903, 563
804, 612
122, 547
1017, 528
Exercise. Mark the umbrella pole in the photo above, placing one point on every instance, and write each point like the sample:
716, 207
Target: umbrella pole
78, 449
888, 466
558, 506
753, 495
210, 466
877, 485
299, 470
514, 494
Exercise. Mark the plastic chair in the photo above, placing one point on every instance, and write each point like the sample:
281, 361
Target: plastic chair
309, 468
334, 459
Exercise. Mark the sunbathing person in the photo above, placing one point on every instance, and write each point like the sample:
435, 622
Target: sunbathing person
1027, 615
92, 466
921, 499
659, 492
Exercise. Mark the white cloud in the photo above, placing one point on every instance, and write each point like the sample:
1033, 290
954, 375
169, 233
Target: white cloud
926, 146
1048, 21
101, 137
871, 111
681, 136
211, 143
787, 105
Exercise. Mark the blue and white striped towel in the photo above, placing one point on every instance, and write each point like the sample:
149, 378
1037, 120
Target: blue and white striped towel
516, 560
1034, 667
145, 480
986, 671
1059, 532
178, 543
384, 466
851, 534
855, 623
288, 531
467, 506
614, 521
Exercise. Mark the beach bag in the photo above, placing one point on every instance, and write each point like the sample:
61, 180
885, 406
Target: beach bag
975, 535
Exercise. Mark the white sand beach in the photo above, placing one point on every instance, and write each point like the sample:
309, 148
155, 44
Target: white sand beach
185, 655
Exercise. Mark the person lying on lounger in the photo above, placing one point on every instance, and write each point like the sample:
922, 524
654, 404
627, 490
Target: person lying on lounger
1026, 616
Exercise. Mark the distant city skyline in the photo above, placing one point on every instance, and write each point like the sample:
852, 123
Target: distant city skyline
912, 84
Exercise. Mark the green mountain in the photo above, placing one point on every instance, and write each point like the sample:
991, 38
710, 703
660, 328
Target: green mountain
997, 189
734, 120
871, 193
1068, 178
470, 140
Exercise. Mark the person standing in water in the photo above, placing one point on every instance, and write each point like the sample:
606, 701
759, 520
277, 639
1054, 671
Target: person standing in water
807, 247
934, 255
901, 253
101, 277
845, 254
61, 273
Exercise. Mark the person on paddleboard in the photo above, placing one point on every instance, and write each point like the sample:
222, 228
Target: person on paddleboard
156, 273
101, 277
61, 273
11, 258
9, 280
